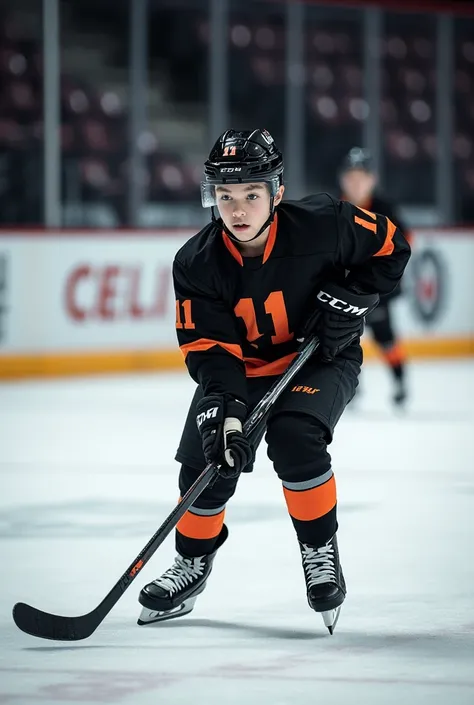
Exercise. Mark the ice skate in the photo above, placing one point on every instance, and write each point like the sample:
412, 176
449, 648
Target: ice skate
175, 592
325, 585
400, 393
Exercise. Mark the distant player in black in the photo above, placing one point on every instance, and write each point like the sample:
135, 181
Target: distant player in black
248, 288
358, 182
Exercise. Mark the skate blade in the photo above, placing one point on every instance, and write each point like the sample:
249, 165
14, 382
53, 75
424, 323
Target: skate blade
330, 619
152, 616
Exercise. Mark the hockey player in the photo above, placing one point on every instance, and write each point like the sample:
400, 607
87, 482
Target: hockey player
358, 183
248, 288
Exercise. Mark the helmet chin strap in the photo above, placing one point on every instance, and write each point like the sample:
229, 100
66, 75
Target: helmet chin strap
219, 222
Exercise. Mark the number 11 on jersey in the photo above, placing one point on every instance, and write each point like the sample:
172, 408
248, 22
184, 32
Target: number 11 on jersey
274, 306
188, 321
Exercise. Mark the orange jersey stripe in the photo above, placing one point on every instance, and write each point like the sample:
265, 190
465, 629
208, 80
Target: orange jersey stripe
365, 223
271, 239
254, 367
307, 505
388, 246
237, 255
195, 526
232, 248
206, 343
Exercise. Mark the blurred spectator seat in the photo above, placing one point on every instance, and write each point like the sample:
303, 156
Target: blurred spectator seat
12, 135
94, 133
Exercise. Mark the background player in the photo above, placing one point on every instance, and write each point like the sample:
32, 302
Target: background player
261, 276
358, 182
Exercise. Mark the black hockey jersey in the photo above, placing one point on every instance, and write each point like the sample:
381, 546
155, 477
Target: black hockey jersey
236, 317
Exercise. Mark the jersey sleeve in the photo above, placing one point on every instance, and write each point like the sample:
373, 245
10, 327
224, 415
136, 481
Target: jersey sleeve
392, 214
208, 336
371, 247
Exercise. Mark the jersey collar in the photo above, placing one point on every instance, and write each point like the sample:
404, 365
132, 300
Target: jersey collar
269, 245
366, 206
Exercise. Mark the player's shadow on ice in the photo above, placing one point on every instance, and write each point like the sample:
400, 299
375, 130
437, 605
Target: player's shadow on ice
254, 630
258, 630
445, 644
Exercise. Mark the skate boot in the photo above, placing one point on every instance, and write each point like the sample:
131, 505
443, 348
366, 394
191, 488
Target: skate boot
400, 393
325, 584
175, 592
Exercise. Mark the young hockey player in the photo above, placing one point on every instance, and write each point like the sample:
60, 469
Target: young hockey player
358, 183
255, 281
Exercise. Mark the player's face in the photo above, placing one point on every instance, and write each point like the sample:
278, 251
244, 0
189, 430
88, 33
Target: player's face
357, 185
244, 208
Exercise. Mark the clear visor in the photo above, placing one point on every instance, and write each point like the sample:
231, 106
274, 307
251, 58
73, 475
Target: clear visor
209, 197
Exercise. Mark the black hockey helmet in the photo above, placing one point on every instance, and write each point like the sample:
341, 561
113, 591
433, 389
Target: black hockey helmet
358, 158
242, 157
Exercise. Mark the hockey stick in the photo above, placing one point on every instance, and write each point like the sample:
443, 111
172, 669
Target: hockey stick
51, 626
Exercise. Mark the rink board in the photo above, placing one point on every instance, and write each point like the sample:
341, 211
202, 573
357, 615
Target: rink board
82, 302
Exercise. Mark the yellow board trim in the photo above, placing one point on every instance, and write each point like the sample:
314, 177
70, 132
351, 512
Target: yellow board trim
420, 348
86, 363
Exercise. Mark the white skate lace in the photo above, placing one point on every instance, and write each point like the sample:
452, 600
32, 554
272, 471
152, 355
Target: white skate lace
181, 573
318, 564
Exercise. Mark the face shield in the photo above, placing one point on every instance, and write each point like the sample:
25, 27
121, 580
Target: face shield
208, 190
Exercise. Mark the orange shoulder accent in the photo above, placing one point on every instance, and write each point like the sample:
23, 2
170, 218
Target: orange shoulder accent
365, 224
388, 246
206, 343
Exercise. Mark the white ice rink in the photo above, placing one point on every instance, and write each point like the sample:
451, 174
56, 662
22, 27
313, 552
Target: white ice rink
86, 477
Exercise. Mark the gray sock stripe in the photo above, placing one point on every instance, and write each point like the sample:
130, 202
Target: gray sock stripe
308, 484
206, 512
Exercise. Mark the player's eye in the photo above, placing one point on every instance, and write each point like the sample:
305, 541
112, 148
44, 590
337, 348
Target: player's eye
252, 196
225, 197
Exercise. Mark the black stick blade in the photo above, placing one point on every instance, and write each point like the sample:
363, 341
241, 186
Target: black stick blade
52, 626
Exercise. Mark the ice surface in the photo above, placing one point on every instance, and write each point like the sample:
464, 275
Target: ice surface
87, 475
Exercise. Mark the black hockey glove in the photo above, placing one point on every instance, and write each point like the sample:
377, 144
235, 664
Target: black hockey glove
219, 421
338, 318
